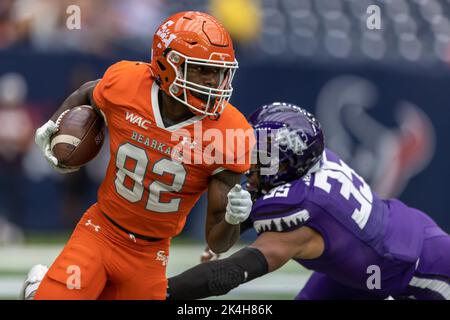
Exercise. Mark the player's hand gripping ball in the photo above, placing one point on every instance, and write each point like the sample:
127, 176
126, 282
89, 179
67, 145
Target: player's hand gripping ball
80, 136
74, 140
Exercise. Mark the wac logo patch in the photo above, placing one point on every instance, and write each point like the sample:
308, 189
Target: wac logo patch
137, 120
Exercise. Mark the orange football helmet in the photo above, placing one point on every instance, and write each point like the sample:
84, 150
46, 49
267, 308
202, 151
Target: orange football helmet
194, 38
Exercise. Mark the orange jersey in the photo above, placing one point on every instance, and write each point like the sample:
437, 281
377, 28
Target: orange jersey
149, 187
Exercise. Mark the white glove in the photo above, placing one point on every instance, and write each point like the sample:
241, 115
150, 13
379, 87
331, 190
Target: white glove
239, 205
32, 282
42, 139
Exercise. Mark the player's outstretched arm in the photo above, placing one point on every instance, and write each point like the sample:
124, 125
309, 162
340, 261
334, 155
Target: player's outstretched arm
209, 255
216, 278
82, 96
270, 251
228, 206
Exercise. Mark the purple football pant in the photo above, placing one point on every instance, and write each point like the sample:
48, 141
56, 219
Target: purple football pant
321, 287
431, 280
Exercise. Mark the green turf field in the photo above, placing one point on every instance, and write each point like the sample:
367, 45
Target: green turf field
16, 260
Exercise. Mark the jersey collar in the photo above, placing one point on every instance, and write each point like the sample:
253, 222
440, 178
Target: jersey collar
158, 117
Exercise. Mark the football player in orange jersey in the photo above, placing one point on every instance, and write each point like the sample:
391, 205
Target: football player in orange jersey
120, 247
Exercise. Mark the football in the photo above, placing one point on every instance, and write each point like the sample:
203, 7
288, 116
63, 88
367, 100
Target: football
80, 136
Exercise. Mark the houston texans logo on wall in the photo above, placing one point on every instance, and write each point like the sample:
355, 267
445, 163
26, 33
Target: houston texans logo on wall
387, 157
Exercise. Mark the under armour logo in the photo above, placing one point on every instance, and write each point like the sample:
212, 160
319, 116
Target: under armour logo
89, 223
161, 256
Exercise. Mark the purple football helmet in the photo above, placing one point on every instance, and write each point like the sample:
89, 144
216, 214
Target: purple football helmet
298, 147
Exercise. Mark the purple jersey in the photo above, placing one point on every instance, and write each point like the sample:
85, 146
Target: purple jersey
359, 229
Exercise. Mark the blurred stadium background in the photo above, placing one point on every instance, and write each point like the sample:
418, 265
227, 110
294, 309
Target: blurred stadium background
383, 97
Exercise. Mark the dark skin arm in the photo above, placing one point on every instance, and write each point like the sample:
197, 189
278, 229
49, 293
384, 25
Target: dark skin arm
207, 255
220, 235
82, 96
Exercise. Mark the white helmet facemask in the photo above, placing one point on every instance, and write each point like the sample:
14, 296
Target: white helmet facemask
216, 97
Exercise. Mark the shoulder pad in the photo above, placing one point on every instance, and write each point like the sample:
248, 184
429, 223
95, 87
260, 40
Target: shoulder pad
286, 221
281, 209
236, 140
285, 196
120, 81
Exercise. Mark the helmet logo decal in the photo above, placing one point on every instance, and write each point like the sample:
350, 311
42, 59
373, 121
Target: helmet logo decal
165, 34
294, 140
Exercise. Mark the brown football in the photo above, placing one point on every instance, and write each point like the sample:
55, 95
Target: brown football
80, 136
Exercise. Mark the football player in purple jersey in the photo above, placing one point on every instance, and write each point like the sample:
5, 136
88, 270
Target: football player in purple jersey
317, 210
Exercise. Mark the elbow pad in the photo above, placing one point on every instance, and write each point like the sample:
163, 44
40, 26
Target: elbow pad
216, 278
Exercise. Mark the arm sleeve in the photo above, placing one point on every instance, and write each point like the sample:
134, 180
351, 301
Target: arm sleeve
218, 277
